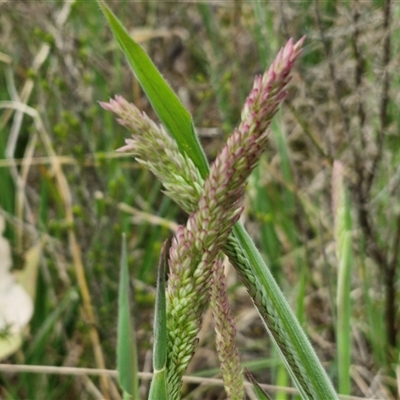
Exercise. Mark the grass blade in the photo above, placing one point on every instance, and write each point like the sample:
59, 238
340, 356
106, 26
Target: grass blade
127, 364
165, 102
342, 234
344, 315
280, 322
158, 388
261, 395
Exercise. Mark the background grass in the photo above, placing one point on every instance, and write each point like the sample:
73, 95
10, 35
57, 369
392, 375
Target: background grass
343, 105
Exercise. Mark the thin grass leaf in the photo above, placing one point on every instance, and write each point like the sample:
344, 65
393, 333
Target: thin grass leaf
344, 315
126, 396
127, 364
7, 193
264, 28
165, 102
261, 395
376, 332
38, 344
215, 58
293, 346
282, 380
158, 388
342, 234
288, 198
261, 205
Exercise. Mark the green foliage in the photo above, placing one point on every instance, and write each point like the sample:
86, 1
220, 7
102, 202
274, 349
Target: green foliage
293, 345
127, 363
343, 232
261, 395
7, 193
209, 54
158, 389
164, 101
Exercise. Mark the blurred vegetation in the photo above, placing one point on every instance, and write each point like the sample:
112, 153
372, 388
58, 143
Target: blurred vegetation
62, 184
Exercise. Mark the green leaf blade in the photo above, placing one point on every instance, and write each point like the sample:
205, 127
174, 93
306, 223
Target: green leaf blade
127, 364
163, 99
343, 241
305, 370
158, 388
261, 395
